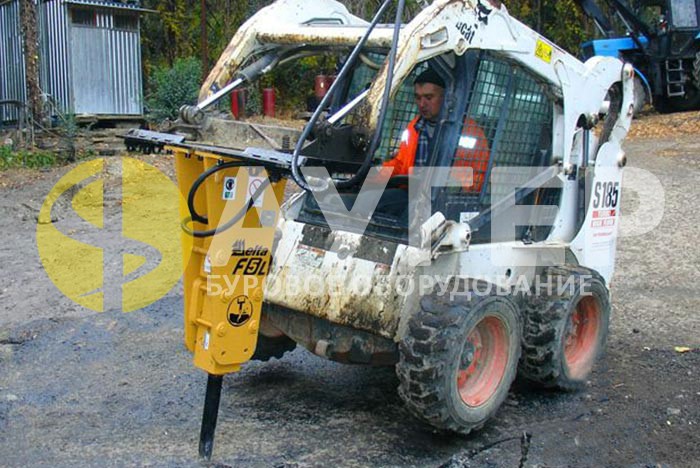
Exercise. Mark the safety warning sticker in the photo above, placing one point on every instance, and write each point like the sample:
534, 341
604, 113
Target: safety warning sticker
603, 218
254, 184
229, 189
543, 51
239, 311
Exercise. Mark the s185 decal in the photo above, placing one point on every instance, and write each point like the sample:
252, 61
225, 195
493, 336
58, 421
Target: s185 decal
606, 194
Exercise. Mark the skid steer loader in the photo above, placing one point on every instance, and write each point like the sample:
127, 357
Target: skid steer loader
481, 281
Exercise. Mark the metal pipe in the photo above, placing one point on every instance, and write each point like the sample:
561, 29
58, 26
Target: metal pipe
586, 147
220, 94
345, 110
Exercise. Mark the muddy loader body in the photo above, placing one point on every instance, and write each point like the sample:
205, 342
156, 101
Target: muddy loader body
506, 274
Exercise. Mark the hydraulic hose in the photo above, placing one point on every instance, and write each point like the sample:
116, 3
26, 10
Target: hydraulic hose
194, 216
200, 180
296, 173
364, 169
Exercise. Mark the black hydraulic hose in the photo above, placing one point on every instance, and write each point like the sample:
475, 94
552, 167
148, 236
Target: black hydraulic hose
199, 181
255, 69
296, 173
364, 169
230, 223
234, 219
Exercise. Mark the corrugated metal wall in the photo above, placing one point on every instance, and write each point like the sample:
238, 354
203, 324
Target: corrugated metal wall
54, 71
12, 72
125, 56
85, 69
106, 67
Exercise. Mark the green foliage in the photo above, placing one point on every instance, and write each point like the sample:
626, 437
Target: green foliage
31, 159
176, 32
294, 82
170, 34
561, 21
253, 101
173, 87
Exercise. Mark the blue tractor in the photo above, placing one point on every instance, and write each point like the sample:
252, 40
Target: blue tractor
661, 39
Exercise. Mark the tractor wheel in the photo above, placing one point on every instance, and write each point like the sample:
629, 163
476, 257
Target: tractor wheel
640, 95
272, 343
667, 105
565, 331
458, 359
691, 100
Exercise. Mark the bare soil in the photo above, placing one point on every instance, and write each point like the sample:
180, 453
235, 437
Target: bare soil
112, 389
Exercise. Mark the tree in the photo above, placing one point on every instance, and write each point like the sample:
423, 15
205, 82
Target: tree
561, 21
181, 30
28, 21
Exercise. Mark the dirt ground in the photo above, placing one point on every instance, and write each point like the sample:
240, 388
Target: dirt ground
113, 389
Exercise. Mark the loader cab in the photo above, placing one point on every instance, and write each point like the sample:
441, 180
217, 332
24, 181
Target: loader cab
495, 114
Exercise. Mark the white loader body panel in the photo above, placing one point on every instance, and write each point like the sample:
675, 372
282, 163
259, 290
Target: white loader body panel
359, 281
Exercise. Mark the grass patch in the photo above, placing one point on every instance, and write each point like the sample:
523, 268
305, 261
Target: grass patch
31, 159
37, 159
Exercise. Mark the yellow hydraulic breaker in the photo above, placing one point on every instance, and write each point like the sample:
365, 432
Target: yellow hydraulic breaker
229, 217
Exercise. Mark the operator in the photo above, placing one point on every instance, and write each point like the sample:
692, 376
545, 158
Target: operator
472, 150
429, 90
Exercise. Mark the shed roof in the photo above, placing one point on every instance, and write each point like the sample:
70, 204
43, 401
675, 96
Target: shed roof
131, 6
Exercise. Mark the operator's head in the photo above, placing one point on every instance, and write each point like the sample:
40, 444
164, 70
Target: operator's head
430, 91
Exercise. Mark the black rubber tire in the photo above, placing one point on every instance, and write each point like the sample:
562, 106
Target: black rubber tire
690, 102
430, 356
272, 347
548, 322
640, 95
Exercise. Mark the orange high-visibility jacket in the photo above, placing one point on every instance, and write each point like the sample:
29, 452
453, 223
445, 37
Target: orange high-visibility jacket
472, 151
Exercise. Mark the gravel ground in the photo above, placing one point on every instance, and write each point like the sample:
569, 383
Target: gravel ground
111, 389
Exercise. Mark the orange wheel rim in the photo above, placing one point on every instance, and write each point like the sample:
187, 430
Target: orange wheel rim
581, 341
483, 361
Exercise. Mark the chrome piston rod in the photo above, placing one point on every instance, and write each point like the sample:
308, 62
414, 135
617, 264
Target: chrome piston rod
195, 114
